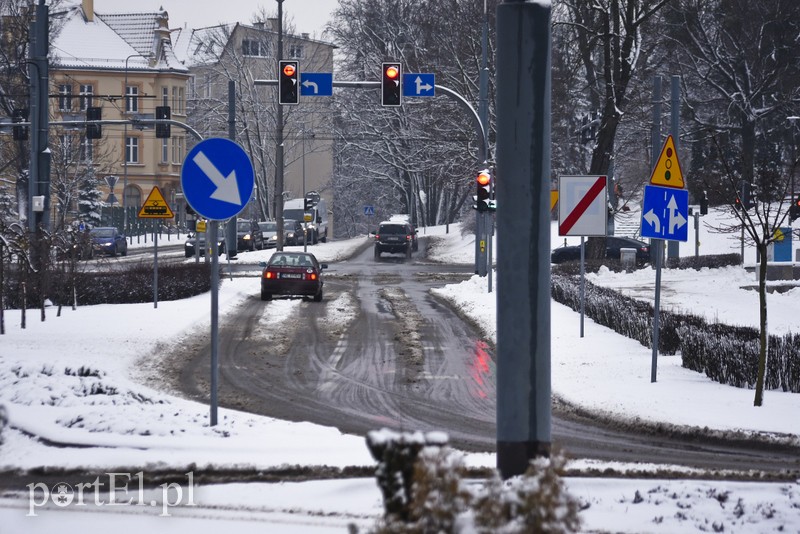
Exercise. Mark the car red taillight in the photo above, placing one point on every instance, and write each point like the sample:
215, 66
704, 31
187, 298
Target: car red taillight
311, 276
270, 275
408, 238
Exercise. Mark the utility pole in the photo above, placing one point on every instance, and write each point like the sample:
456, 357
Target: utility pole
523, 272
278, 193
39, 174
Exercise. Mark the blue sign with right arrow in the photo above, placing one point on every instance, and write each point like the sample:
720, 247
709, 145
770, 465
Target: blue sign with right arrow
665, 213
419, 84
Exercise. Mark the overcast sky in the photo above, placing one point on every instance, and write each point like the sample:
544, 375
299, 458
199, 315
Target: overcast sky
309, 16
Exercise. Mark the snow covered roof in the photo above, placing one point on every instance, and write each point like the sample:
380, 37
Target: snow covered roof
201, 46
136, 41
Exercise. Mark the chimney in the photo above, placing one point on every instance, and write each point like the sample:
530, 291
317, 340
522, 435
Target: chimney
88, 10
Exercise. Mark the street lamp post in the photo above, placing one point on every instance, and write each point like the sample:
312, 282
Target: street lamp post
125, 151
793, 120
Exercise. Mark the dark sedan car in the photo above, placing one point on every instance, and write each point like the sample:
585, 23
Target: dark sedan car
108, 240
613, 246
248, 235
293, 232
292, 273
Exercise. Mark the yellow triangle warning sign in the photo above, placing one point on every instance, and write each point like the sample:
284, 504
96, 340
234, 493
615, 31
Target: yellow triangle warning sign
155, 207
667, 171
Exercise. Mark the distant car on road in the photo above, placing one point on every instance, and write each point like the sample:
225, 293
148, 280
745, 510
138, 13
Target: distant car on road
269, 233
248, 235
292, 273
108, 240
190, 244
293, 232
613, 246
394, 237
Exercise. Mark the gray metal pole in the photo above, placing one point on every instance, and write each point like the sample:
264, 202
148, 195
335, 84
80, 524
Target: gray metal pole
673, 247
482, 234
231, 245
213, 234
523, 272
279, 144
155, 265
583, 282
656, 244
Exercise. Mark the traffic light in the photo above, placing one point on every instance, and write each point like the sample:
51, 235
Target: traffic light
163, 130
19, 133
704, 204
745, 195
794, 210
288, 74
484, 191
308, 204
94, 131
390, 84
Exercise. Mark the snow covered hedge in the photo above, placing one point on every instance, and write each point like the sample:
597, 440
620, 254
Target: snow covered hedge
727, 354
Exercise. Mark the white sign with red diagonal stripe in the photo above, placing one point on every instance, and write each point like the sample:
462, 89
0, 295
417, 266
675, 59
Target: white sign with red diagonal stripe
582, 205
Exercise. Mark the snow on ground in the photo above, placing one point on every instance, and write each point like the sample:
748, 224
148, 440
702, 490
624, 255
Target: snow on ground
79, 380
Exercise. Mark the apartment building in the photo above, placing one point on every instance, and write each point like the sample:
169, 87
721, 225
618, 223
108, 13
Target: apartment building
125, 65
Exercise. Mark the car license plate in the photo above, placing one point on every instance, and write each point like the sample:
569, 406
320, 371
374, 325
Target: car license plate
392, 238
291, 275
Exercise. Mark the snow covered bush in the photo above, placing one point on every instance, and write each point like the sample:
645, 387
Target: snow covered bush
425, 490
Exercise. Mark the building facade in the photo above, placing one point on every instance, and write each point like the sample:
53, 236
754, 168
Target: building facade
125, 65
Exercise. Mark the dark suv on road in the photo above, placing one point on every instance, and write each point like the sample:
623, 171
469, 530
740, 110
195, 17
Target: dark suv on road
394, 237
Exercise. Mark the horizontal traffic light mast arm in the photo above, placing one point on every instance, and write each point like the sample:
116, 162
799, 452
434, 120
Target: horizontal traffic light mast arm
483, 154
130, 122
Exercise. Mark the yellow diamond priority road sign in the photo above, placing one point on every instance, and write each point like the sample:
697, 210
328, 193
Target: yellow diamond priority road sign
667, 172
155, 207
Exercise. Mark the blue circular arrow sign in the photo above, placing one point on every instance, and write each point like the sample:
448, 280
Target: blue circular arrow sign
217, 179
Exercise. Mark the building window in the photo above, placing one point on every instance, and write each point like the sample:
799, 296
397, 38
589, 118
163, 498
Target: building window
132, 196
251, 47
86, 151
131, 99
165, 96
132, 149
65, 97
86, 94
177, 150
296, 51
165, 151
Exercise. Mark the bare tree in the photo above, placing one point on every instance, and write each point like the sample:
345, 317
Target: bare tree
741, 69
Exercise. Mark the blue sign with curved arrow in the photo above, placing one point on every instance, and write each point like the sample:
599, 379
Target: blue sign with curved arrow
217, 178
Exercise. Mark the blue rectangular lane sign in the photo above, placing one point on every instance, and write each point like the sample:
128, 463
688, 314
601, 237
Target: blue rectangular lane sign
665, 213
316, 83
419, 84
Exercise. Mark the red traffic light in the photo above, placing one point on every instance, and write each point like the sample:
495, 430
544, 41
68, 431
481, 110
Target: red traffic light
484, 178
392, 72
288, 69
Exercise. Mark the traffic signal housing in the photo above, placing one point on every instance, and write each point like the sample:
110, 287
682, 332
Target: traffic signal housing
794, 209
163, 130
94, 131
483, 194
308, 204
288, 87
19, 133
704, 204
391, 94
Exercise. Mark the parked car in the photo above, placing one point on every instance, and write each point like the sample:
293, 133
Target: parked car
293, 232
394, 237
189, 245
613, 246
269, 233
292, 273
248, 235
108, 240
